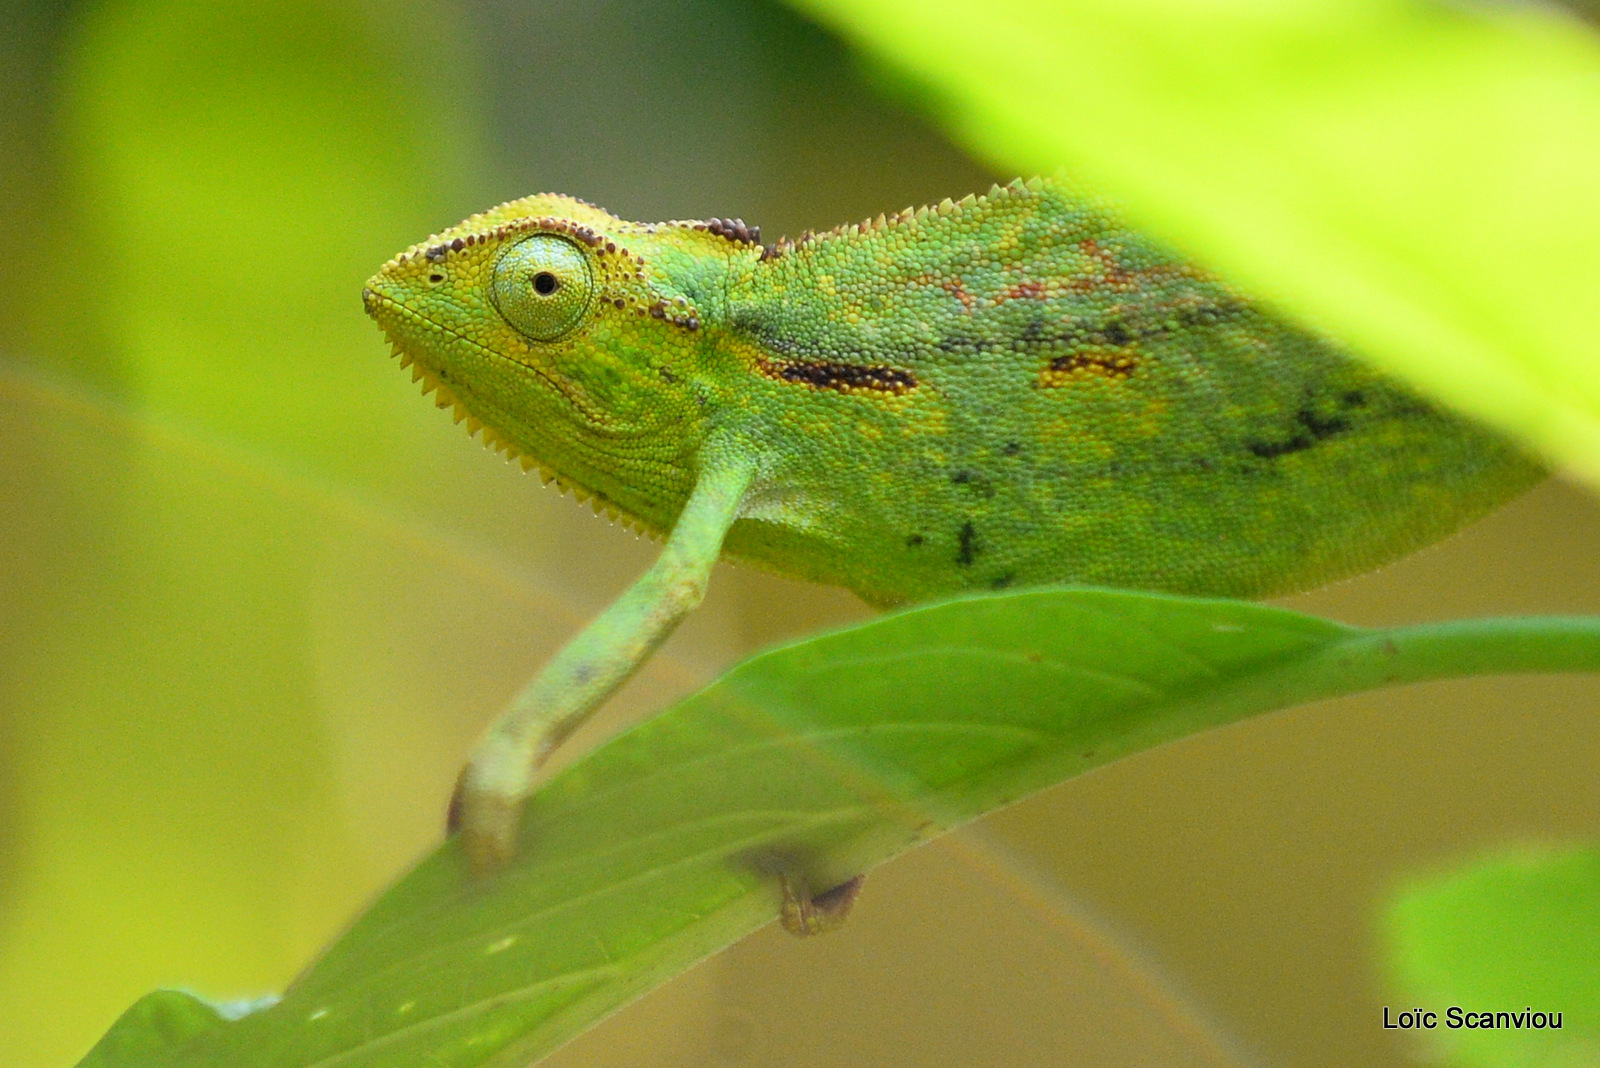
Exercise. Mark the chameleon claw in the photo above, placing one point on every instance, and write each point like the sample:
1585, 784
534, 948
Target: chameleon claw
803, 914
486, 824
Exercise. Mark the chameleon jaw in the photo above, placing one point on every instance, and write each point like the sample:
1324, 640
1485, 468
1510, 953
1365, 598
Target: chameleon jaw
444, 396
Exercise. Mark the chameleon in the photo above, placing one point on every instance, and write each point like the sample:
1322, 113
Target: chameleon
1008, 390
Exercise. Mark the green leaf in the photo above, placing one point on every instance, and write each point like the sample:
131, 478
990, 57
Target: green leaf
154, 1026
815, 762
1512, 933
1416, 178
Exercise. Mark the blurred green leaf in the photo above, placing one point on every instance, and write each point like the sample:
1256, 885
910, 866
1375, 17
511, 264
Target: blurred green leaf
153, 1027
815, 762
239, 171
1416, 178
191, 414
1507, 934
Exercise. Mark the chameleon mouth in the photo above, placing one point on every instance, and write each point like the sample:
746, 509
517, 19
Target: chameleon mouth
389, 314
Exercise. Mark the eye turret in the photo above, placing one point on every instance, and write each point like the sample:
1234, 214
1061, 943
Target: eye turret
542, 286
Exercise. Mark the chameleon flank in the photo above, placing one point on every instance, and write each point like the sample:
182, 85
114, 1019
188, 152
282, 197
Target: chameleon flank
1010, 390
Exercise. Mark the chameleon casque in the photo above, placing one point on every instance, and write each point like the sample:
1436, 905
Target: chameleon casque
1004, 391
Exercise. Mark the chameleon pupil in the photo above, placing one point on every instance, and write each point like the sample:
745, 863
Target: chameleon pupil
544, 283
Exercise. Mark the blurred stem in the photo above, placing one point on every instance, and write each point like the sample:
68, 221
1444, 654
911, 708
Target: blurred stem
1505, 646
1397, 656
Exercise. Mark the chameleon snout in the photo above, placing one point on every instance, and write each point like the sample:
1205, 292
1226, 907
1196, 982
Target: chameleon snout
373, 298
384, 304
388, 312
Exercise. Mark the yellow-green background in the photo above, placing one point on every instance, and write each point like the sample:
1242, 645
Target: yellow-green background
257, 595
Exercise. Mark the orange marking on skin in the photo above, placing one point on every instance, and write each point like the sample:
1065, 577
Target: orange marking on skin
1117, 362
954, 287
1029, 290
1114, 276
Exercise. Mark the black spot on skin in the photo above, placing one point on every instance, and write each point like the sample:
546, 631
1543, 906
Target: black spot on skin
961, 343
1129, 327
974, 481
843, 377
667, 376
1355, 399
1311, 427
1271, 450
1011, 448
914, 541
437, 253
1208, 313
967, 549
1321, 426
1117, 334
1003, 581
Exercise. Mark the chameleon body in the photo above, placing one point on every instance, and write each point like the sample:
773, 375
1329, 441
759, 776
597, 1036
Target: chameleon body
1007, 390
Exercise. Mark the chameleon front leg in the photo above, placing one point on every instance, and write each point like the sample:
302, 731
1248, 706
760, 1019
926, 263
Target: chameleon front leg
500, 774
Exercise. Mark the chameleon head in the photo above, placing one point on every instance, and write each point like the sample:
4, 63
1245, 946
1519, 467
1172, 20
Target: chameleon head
568, 336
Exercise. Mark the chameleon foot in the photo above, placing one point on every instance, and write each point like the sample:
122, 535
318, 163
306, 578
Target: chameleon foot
802, 914
486, 823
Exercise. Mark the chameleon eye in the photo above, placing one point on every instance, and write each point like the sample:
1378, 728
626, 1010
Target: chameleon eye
542, 286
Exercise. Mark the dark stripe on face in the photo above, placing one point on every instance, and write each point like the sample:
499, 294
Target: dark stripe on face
843, 377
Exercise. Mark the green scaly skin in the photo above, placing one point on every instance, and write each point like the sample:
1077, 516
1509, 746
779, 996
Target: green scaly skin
1011, 390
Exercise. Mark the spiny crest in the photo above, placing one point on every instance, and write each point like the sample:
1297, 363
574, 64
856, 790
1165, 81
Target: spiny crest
438, 247
734, 230
546, 212
946, 207
443, 397
540, 205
